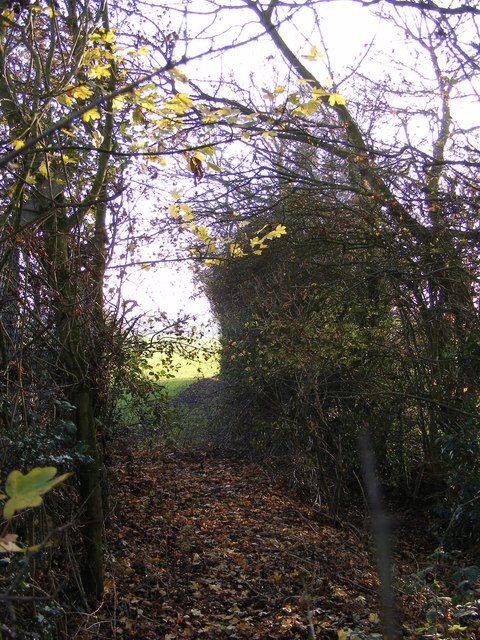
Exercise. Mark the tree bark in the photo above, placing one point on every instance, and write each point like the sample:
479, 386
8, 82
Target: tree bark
89, 476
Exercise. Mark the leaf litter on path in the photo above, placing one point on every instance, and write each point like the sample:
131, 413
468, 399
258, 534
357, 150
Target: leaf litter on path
203, 547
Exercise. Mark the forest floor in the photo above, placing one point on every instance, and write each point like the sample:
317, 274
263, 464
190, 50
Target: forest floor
204, 547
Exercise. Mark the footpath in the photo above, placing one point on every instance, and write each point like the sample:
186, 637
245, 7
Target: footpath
202, 547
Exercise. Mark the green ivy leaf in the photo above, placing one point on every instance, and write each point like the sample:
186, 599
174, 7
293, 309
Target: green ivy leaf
471, 573
26, 490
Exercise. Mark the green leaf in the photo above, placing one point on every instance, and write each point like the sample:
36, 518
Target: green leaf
466, 573
431, 615
26, 491
137, 116
471, 573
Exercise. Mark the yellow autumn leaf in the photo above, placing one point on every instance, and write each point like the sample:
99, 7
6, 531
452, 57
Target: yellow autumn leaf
186, 208
173, 210
99, 71
200, 231
236, 251
178, 75
97, 137
80, 93
108, 37
142, 51
313, 54
258, 242
91, 114
280, 230
336, 98
18, 144
42, 170
117, 102
318, 92
95, 37
148, 104
179, 103
308, 108
65, 99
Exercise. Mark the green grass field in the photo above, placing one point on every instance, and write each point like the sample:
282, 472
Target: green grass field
203, 364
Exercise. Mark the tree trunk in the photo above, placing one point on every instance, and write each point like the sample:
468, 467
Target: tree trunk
89, 477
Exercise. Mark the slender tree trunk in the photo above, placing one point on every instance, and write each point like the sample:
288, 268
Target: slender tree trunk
81, 360
89, 477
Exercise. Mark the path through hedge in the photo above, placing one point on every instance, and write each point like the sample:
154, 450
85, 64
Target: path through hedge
207, 548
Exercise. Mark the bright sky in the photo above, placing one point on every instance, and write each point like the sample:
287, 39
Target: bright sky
168, 289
